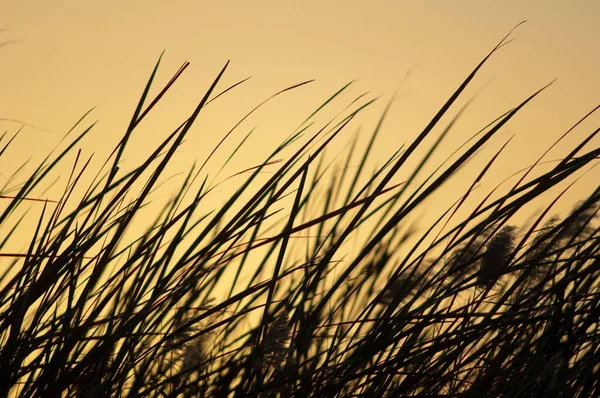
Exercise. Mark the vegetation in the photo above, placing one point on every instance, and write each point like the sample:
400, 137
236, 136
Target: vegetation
468, 307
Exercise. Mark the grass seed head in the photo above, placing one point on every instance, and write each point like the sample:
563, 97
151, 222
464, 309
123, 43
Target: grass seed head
498, 251
275, 343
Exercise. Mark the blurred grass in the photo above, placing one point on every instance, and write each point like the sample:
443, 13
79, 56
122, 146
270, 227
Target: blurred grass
472, 306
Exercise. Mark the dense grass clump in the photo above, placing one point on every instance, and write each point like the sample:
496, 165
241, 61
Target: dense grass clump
225, 302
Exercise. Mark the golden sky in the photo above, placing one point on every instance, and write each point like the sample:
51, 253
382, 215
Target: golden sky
72, 55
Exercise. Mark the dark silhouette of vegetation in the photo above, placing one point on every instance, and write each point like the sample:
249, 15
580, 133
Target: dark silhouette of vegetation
476, 307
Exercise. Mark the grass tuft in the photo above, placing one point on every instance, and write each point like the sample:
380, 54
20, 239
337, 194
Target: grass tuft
311, 281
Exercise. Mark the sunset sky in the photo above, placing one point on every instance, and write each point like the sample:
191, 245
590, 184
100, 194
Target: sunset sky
63, 58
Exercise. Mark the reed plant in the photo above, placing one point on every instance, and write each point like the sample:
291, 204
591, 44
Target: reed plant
474, 306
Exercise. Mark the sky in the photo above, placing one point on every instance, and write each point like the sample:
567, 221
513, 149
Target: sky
63, 58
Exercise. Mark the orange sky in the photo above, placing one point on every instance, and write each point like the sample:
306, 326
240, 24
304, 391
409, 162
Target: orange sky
72, 55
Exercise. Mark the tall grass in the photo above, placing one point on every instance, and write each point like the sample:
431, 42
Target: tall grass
472, 307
